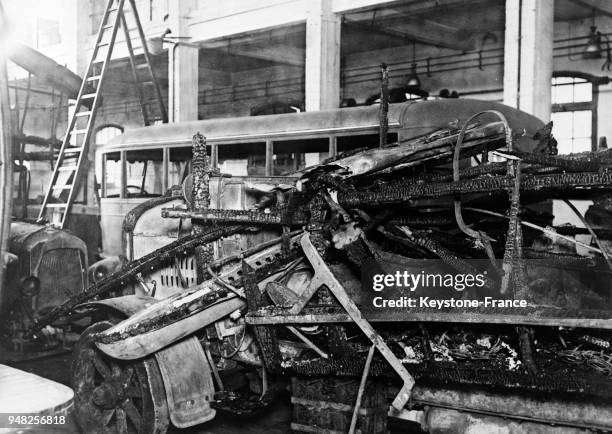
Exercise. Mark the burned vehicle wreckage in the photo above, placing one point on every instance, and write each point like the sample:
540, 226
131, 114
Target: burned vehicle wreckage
285, 267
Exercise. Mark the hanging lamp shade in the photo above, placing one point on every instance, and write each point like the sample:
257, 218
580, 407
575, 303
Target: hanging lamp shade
593, 47
413, 78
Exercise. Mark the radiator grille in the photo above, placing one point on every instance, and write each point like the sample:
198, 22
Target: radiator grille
170, 278
61, 276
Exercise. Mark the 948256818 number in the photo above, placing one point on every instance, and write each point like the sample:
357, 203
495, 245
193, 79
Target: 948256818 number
8, 420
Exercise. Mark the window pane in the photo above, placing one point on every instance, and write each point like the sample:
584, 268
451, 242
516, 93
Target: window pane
179, 164
48, 33
144, 174
243, 159
105, 134
581, 145
564, 146
582, 124
112, 174
290, 155
562, 125
568, 90
563, 80
563, 94
348, 143
582, 92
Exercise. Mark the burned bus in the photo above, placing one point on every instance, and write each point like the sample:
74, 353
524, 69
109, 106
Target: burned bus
261, 265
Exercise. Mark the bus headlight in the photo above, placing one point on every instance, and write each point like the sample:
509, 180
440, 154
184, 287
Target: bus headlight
100, 272
30, 286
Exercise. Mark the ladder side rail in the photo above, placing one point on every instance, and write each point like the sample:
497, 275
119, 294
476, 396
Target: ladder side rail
92, 116
145, 49
54, 175
43, 209
130, 48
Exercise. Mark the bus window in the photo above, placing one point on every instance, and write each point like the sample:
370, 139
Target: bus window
243, 159
349, 143
292, 155
144, 173
179, 164
112, 174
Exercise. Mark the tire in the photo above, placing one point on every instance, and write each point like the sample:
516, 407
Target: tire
115, 396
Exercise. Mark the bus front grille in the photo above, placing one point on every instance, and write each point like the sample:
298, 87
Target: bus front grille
181, 274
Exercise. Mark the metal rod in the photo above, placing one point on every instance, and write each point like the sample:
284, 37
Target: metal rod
534, 226
213, 365
364, 377
308, 342
383, 113
592, 232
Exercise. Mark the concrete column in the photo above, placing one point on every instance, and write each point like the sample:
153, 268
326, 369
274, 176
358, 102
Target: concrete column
183, 74
512, 48
322, 87
528, 56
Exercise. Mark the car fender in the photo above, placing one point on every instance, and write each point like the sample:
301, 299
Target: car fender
127, 304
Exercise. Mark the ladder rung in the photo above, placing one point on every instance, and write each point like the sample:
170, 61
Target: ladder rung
88, 96
57, 205
94, 78
62, 187
67, 168
146, 82
75, 132
103, 44
113, 9
72, 150
142, 66
108, 26
81, 114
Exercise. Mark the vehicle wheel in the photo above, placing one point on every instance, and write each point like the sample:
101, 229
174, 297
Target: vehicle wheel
116, 396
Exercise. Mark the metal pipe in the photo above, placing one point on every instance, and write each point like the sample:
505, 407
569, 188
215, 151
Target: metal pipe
6, 166
364, 377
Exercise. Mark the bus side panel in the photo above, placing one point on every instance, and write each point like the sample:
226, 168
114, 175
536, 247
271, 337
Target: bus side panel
112, 213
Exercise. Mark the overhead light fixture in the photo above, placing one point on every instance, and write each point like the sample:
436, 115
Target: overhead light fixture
413, 78
594, 46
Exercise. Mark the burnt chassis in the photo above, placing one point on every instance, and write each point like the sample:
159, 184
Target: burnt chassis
171, 329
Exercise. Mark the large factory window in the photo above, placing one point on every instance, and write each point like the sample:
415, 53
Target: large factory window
574, 107
97, 13
144, 173
572, 114
47, 33
243, 159
292, 155
106, 132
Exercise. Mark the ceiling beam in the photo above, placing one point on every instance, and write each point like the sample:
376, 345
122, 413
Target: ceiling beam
415, 8
279, 54
422, 32
603, 7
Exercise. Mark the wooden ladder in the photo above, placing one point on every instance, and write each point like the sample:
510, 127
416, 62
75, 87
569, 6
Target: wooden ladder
72, 162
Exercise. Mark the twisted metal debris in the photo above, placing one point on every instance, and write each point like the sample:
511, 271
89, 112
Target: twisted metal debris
399, 200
